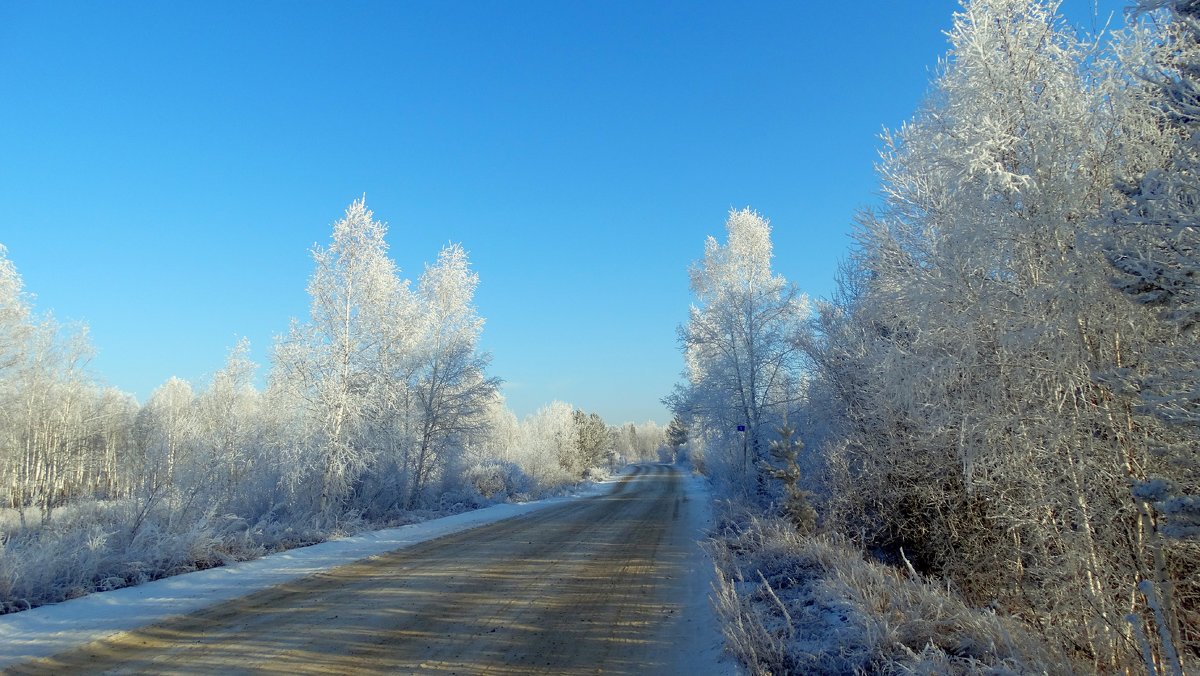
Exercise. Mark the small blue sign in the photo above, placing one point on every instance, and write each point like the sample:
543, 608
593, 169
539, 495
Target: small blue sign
741, 428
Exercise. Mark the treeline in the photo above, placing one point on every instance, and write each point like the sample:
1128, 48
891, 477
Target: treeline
377, 411
1003, 391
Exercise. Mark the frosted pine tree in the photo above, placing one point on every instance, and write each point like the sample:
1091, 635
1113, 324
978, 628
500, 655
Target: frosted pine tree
785, 454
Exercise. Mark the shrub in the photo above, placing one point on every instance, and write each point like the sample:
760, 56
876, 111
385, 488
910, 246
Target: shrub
496, 479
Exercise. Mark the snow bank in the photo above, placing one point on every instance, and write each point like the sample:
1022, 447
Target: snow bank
699, 643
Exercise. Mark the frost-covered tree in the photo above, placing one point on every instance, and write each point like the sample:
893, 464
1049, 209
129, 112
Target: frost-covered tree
547, 436
651, 437
452, 390
388, 381
504, 432
743, 368
592, 443
636, 442
229, 430
972, 348
378, 402
677, 433
14, 316
114, 472
1157, 245
14, 330
330, 366
639, 442
784, 467
61, 436
164, 433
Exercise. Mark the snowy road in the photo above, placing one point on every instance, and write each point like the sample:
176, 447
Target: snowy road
612, 583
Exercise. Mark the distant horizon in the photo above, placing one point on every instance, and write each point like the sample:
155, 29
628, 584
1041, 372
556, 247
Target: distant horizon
169, 167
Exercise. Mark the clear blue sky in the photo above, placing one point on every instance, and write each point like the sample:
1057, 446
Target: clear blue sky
165, 167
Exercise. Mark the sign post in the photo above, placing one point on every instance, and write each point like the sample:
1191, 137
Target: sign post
745, 460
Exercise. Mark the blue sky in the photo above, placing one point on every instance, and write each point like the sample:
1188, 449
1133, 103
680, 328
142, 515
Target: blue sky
165, 167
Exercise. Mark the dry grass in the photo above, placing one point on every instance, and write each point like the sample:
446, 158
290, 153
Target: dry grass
793, 604
95, 546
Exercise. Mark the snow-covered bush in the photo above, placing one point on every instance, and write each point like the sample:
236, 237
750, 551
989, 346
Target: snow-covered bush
462, 499
90, 546
101, 545
498, 479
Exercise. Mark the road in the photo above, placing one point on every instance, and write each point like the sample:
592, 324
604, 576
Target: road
598, 585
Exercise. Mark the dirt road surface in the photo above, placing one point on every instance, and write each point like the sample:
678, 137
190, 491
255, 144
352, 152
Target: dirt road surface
592, 586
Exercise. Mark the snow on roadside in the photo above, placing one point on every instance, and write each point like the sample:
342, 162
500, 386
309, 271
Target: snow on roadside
700, 646
50, 629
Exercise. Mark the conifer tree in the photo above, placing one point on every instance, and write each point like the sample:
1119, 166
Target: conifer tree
785, 452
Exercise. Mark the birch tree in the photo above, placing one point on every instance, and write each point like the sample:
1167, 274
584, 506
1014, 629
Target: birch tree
14, 315
452, 390
330, 364
51, 445
1155, 246
163, 432
228, 426
972, 340
14, 331
547, 437
743, 367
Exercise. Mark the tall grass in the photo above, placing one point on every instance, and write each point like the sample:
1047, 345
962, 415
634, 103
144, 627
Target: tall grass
793, 604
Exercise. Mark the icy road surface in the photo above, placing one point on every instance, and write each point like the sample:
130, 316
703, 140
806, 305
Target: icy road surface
612, 583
